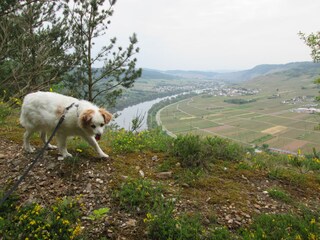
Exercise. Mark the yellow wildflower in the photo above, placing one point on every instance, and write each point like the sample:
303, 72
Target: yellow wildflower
79, 150
299, 151
65, 222
76, 231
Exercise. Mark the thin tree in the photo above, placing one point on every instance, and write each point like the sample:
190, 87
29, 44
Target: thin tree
313, 41
90, 20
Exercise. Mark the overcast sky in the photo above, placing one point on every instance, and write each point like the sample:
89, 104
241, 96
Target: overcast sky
215, 34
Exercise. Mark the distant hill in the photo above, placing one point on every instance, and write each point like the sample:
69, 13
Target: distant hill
156, 74
193, 74
294, 69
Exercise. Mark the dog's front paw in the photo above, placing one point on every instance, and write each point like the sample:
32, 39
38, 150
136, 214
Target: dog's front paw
65, 155
51, 147
29, 149
103, 155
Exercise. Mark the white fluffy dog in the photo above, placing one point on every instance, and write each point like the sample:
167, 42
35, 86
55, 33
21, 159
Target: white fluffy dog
41, 112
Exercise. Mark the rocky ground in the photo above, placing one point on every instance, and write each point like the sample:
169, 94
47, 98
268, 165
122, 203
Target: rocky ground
227, 199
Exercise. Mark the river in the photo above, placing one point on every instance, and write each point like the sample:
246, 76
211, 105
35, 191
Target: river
127, 114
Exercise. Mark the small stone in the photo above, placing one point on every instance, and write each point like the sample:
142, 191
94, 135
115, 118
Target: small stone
230, 221
154, 158
42, 183
141, 173
2, 156
178, 164
265, 192
98, 180
131, 223
89, 187
15, 162
243, 177
51, 166
164, 175
90, 174
245, 215
257, 206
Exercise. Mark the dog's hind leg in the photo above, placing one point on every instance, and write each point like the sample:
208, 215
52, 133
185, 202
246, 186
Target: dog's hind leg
62, 146
43, 136
26, 141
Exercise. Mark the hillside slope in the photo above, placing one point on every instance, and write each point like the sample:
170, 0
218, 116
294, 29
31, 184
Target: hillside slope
219, 198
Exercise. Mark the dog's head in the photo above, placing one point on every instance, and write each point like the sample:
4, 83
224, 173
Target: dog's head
93, 121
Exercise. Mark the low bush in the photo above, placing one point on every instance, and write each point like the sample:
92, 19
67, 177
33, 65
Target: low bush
34, 221
189, 150
194, 151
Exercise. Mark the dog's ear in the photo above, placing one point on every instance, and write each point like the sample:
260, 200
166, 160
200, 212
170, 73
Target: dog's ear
86, 117
106, 115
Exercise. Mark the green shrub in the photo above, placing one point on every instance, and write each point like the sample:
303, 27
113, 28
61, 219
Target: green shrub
283, 226
138, 194
194, 151
223, 149
188, 149
34, 221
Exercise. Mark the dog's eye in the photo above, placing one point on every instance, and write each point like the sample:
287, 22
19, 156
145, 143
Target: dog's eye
93, 126
101, 125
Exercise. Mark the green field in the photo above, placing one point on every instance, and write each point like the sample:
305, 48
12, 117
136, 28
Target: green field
266, 121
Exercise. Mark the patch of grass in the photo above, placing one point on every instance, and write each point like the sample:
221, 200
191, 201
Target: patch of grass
167, 165
126, 142
190, 176
279, 194
138, 194
163, 224
288, 175
219, 233
283, 226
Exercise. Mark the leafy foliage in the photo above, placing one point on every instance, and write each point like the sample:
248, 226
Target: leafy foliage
34, 44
